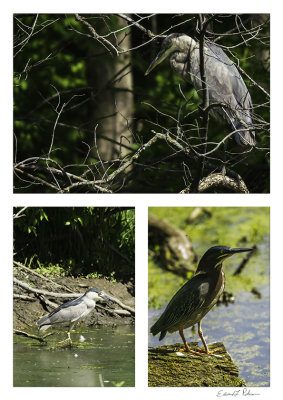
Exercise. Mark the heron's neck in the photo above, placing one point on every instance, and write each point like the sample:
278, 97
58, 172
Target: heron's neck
208, 267
186, 43
181, 55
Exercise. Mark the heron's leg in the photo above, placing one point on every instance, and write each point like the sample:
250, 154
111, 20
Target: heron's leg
69, 336
69, 331
202, 338
204, 343
69, 340
187, 349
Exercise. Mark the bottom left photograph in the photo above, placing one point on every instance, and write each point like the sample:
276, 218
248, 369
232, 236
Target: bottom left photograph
74, 296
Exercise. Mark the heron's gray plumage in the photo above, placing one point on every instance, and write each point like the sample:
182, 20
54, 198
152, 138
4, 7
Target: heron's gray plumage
224, 82
68, 313
72, 311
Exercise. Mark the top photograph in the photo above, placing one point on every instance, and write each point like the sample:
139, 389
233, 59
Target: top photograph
141, 103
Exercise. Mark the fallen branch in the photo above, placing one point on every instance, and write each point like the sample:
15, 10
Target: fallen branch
23, 297
45, 292
196, 212
115, 313
128, 308
39, 338
47, 302
29, 270
66, 296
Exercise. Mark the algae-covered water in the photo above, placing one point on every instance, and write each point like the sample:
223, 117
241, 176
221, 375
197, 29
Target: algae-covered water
242, 326
106, 357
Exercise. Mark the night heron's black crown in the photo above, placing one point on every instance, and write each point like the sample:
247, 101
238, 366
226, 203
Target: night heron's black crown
94, 290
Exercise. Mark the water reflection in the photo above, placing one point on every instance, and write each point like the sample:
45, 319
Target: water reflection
105, 358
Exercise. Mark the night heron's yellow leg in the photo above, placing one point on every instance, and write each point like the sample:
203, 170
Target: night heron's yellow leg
187, 349
68, 340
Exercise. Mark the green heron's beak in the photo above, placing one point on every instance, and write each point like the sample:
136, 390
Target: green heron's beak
228, 252
158, 59
240, 250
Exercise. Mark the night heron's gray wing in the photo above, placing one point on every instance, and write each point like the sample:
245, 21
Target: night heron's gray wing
183, 309
67, 313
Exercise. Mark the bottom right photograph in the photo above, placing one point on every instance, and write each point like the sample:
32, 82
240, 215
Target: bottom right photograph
209, 296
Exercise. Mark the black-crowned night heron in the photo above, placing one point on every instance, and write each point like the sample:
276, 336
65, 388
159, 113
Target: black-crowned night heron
196, 298
224, 83
72, 311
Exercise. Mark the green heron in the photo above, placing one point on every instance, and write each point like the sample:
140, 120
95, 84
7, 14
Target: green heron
196, 298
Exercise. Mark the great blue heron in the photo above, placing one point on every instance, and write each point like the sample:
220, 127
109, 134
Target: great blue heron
225, 85
72, 311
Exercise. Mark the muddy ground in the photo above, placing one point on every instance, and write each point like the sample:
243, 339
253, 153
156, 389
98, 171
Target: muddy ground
27, 312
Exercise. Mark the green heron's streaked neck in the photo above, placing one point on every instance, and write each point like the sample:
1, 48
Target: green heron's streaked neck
196, 298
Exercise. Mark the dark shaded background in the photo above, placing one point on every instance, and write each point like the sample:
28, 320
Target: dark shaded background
60, 70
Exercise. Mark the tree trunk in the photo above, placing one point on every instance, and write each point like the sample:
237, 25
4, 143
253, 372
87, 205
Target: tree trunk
112, 103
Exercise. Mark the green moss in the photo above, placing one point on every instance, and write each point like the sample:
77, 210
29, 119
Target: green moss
166, 367
161, 285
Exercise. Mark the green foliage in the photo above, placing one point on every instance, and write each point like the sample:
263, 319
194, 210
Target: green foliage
89, 241
161, 285
230, 226
53, 270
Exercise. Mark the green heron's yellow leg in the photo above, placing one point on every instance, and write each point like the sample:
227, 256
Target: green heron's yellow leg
204, 343
187, 349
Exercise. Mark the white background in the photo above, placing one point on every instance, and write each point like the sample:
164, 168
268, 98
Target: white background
141, 202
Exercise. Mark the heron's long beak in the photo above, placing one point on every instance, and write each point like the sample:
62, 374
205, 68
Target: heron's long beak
105, 297
229, 252
158, 59
240, 249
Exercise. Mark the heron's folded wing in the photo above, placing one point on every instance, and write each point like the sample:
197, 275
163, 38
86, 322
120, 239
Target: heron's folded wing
67, 314
183, 306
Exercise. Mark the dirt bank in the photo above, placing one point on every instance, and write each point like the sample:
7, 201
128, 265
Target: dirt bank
28, 311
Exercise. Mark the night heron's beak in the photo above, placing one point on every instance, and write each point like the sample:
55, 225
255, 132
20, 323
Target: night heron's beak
105, 297
158, 59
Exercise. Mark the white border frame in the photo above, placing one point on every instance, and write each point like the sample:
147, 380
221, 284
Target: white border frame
141, 202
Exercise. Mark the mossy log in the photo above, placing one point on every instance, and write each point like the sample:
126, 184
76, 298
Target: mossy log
175, 251
167, 366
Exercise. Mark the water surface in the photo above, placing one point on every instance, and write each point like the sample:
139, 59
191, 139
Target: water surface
105, 358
